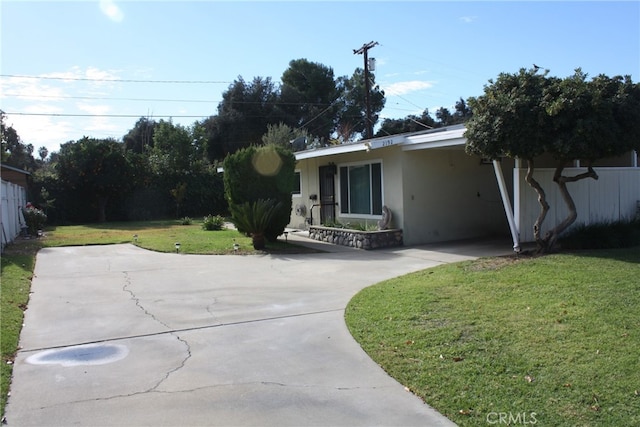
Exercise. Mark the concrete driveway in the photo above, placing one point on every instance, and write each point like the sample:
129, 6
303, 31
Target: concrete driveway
117, 335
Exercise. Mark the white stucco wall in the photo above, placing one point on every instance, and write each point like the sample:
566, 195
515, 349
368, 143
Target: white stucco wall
449, 195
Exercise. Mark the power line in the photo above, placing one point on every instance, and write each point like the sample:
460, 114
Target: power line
104, 115
115, 80
106, 98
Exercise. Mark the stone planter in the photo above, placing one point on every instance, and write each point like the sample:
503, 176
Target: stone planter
366, 240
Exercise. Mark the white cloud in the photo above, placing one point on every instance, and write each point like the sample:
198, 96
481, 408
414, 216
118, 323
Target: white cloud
468, 19
93, 109
403, 88
111, 10
41, 131
26, 88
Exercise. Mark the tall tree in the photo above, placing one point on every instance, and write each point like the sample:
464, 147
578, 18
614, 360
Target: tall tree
352, 113
308, 97
140, 138
243, 115
173, 149
527, 114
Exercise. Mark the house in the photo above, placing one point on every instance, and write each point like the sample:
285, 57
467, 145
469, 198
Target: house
436, 192
13, 198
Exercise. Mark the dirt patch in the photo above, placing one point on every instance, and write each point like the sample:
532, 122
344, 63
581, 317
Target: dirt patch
496, 263
23, 246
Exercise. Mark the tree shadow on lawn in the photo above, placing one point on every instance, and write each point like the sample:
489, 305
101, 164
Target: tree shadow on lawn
631, 255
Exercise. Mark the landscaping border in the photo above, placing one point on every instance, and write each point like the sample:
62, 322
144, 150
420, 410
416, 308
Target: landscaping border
366, 240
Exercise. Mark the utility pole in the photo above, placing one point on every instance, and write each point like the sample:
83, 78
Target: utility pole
364, 50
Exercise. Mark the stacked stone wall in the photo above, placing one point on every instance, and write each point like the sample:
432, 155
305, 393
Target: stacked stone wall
366, 240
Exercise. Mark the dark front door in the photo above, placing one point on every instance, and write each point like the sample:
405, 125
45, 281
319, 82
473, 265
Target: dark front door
327, 194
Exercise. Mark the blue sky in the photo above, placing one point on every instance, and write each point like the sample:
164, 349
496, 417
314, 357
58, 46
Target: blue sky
429, 54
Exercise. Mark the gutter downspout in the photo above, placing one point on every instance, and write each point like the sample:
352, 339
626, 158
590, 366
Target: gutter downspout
506, 202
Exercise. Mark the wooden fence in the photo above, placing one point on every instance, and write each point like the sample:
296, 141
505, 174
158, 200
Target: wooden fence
614, 196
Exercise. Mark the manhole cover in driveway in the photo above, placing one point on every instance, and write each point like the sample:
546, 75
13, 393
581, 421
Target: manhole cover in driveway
91, 354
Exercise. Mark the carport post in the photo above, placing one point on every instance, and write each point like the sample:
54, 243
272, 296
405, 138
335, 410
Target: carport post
506, 202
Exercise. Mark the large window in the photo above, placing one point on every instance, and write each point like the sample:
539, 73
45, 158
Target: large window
361, 189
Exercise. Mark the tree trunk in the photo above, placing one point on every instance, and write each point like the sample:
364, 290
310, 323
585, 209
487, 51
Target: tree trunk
542, 200
102, 208
552, 235
258, 240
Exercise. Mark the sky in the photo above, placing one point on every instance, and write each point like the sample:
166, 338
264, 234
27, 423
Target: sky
70, 69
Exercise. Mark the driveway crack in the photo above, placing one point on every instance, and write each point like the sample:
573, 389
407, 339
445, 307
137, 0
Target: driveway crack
127, 288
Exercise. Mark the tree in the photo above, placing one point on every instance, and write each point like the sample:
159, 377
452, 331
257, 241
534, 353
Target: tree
243, 115
411, 123
308, 95
95, 171
140, 138
352, 114
173, 150
282, 135
527, 114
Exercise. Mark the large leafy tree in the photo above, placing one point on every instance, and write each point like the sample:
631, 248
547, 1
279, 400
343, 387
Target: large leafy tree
140, 138
526, 114
95, 171
243, 115
308, 97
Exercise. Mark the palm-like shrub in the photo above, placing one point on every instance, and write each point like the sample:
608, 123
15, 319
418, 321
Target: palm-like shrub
254, 218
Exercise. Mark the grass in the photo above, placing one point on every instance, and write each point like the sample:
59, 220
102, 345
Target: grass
18, 261
160, 236
550, 339
17, 270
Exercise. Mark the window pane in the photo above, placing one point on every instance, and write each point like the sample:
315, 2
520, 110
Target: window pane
344, 190
296, 183
376, 188
359, 189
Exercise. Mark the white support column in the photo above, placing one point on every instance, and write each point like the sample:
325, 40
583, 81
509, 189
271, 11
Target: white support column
506, 202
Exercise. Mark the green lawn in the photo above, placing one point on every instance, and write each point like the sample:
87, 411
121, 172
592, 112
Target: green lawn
158, 236
552, 340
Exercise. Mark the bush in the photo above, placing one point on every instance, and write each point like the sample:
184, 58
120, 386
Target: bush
608, 235
212, 223
260, 173
35, 219
186, 221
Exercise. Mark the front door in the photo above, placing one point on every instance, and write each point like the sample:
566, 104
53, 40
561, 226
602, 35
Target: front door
327, 194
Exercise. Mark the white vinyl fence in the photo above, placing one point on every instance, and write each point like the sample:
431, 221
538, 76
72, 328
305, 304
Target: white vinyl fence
14, 197
614, 196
